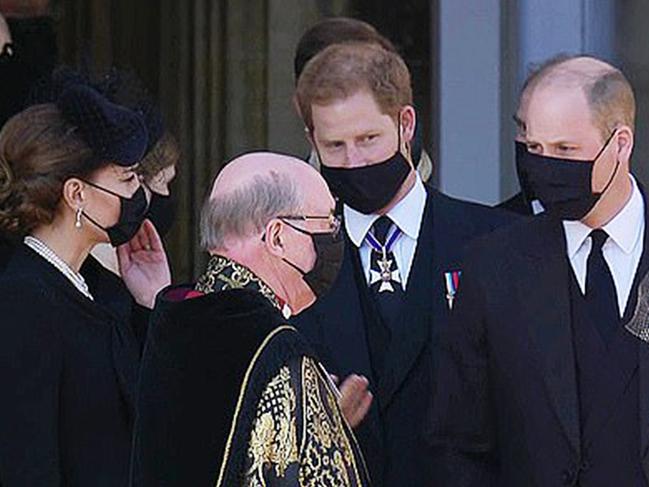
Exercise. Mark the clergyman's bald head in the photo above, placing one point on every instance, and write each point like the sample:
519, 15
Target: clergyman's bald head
251, 190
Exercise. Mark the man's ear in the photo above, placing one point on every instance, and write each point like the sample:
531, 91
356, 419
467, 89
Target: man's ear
273, 238
625, 141
73, 194
408, 123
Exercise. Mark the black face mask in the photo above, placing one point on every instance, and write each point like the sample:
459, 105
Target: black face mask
131, 216
329, 249
369, 188
162, 212
564, 186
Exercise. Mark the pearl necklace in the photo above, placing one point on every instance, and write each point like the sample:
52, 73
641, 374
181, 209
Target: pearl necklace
48, 254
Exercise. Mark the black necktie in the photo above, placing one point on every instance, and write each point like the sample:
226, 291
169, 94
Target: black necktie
601, 295
380, 228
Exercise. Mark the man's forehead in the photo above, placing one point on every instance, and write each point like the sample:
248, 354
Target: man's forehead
557, 104
348, 117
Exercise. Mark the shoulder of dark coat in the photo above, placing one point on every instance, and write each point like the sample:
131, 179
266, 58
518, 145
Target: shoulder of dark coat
221, 322
508, 242
474, 216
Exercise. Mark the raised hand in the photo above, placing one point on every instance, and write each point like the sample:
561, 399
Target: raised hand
143, 265
5, 33
355, 399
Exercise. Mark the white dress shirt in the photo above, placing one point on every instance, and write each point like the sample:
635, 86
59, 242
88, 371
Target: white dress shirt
407, 215
622, 251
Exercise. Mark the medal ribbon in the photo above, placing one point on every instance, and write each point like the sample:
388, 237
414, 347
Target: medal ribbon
393, 235
452, 279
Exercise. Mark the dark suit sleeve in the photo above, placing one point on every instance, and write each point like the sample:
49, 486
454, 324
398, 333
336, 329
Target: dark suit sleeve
30, 368
461, 427
140, 322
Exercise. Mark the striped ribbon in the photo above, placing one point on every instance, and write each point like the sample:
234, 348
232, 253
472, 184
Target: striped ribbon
393, 235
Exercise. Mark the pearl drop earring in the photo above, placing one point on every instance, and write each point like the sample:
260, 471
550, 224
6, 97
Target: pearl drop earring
77, 222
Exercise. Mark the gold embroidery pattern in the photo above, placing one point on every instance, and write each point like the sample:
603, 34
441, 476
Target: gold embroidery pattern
244, 386
223, 274
327, 455
273, 440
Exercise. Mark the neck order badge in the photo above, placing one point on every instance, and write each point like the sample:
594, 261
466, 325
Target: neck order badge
385, 274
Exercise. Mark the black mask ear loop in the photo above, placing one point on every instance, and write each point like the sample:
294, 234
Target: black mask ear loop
302, 273
408, 154
263, 239
617, 163
107, 191
284, 259
110, 192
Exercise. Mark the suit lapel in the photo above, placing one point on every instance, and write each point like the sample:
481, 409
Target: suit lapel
544, 294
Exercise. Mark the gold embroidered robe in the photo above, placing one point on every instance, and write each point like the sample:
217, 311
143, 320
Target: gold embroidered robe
231, 395
299, 437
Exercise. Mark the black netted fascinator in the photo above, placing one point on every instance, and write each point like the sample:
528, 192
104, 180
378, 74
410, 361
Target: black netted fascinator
114, 133
126, 89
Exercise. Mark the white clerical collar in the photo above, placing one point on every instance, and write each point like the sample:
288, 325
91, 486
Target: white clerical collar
624, 229
406, 214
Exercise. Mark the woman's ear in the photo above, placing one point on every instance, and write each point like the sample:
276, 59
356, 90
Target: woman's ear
308, 134
73, 194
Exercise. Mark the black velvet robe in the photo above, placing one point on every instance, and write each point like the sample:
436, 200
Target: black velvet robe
230, 395
68, 368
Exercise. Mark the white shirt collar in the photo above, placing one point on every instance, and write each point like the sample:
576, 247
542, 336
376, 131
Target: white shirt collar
624, 229
407, 214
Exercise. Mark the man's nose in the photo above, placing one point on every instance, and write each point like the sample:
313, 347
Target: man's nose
353, 156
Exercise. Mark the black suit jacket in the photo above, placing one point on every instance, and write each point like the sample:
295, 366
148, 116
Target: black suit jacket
391, 436
506, 407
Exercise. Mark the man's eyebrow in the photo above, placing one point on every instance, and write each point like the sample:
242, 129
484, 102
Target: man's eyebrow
563, 142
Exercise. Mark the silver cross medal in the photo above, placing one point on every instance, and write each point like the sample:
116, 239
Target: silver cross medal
385, 275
